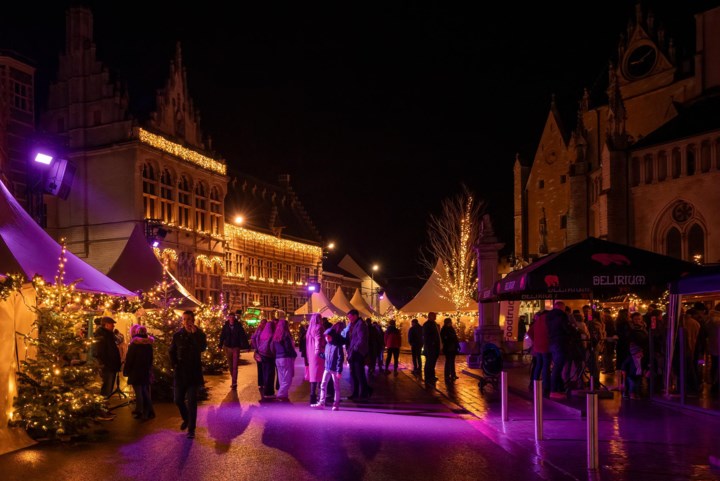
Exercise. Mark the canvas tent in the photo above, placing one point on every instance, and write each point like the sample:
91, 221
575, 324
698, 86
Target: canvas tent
319, 303
429, 297
138, 269
27, 249
341, 302
358, 302
385, 306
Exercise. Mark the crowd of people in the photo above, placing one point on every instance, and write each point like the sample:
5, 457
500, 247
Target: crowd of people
571, 347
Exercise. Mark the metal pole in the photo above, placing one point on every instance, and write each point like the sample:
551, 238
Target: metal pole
537, 404
592, 431
504, 394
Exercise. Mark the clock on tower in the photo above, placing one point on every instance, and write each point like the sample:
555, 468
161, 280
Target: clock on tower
640, 61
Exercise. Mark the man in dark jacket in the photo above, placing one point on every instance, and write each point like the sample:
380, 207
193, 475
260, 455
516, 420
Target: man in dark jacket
357, 351
107, 354
558, 326
415, 338
233, 338
431, 346
187, 345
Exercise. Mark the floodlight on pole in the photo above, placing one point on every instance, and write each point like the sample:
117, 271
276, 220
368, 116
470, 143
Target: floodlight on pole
42, 158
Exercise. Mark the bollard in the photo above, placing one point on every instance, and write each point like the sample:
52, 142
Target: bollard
537, 396
592, 431
504, 394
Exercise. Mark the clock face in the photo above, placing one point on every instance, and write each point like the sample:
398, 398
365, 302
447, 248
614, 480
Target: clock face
640, 61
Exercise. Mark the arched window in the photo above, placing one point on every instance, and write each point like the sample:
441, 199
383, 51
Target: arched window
648, 161
673, 243
662, 166
705, 157
215, 211
690, 160
149, 191
166, 197
635, 171
696, 243
201, 206
675, 163
184, 202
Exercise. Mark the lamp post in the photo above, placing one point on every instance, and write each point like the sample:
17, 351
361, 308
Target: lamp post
375, 267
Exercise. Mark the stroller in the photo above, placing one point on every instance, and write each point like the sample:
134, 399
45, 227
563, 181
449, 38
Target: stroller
491, 364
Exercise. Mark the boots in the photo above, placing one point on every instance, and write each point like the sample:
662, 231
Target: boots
313, 393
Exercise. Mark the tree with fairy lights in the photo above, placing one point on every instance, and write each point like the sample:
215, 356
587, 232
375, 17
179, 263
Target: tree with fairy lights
211, 318
452, 237
57, 388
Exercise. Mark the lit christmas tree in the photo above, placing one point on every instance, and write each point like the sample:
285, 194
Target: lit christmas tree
58, 388
211, 318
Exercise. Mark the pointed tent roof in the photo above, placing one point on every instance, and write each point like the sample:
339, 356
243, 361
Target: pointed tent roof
341, 302
359, 303
429, 299
138, 269
319, 303
385, 305
25, 248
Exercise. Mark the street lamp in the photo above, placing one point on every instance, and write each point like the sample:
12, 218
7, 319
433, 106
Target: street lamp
374, 269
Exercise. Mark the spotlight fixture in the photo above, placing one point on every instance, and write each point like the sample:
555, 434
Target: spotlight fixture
43, 158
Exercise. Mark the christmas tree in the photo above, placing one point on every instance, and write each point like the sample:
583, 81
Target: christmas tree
58, 388
211, 318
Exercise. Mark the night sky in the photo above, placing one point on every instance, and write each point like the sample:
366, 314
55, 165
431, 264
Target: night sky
378, 111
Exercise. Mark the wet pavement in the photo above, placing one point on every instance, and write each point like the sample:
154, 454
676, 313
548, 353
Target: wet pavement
638, 439
407, 430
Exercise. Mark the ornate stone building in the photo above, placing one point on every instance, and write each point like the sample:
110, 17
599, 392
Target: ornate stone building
17, 126
640, 167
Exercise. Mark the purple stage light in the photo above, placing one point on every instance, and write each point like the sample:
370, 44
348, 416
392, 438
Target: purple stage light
43, 158
156, 243
311, 287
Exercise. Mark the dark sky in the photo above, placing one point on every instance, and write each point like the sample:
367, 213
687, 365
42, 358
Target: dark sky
378, 111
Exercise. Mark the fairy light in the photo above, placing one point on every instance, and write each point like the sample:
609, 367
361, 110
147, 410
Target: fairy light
236, 232
458, 281
184, 153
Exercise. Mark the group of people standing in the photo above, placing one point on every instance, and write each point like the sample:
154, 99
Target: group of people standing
429, 339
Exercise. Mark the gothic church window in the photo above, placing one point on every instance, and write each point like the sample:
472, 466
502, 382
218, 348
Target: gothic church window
662, 166
675, 163
696, 242
705, 157
635, 171
673, 243
690, 160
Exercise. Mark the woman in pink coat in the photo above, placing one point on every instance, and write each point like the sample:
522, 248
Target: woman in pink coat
315, 345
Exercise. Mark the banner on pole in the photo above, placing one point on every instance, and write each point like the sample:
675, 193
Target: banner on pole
509, 319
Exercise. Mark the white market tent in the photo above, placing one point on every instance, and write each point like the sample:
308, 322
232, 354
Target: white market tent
359, 303
25, 248
429, 298
341, 302
319, 303
385, 306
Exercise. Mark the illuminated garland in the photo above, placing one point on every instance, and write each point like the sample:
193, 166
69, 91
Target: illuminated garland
458, 281
232, 231
168, 253
205, 233
58, 388
12, 283
209, 261
184, 153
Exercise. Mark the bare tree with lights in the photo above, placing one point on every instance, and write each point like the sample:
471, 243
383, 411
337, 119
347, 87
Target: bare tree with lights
452, 236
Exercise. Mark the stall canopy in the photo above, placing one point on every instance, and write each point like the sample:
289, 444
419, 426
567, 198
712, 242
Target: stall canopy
319, 303
358, 302
25, 248
341, 302
592, 268
706, 280
138, 269
430, 297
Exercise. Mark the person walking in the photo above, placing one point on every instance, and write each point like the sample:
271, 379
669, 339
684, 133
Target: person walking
334, 360
431, 346
138, 370
233, 338
315, 346
108, 355
450, 346
392, 344
188, 344
254, 340
415, 339
285, 355
267, 358
357, 351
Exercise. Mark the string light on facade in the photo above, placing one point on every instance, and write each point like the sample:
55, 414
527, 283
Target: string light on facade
232, 231
184, 153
